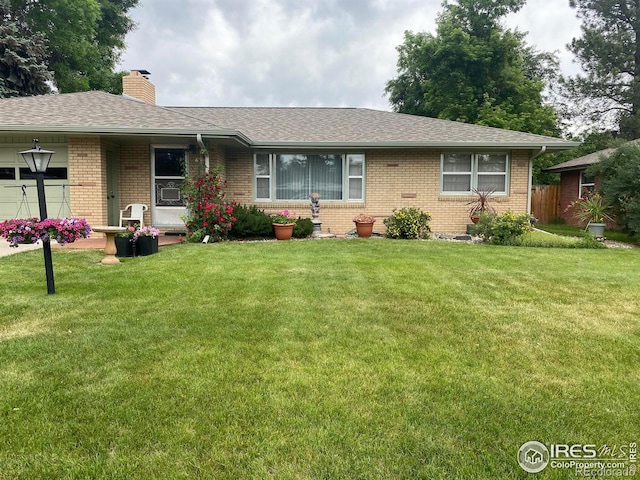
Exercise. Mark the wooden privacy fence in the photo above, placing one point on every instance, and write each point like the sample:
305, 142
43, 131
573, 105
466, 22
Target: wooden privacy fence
545, 200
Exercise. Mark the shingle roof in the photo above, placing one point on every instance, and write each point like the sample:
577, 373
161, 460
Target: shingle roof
581, 162
91, 111
98, 112
359, 126
586, 160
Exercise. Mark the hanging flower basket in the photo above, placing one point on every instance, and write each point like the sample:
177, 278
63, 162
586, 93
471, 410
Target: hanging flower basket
63, 230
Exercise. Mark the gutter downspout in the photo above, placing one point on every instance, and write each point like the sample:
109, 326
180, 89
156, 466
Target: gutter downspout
543, 149
206, 152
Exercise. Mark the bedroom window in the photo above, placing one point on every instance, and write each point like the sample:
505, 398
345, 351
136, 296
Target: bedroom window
462, 172
294, 176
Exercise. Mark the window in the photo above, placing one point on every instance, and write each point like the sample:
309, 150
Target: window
168, 164
587, 184
58, 173
356, 176
263, 177
294, 176
8, 173
462, 172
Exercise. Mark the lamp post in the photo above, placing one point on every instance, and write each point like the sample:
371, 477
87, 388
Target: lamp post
38, 161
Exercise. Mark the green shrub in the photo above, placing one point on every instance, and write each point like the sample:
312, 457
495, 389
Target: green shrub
410, 223
250, 223
303, 228
502, 229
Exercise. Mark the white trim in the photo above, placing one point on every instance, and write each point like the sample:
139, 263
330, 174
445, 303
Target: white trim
474, 173
256, 177
166, 216
582, 185
348, 177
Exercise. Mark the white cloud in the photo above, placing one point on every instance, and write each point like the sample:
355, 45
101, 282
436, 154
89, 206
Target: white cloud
296, 52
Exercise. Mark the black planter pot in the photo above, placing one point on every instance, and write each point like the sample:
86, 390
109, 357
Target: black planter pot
124, 247
146, 246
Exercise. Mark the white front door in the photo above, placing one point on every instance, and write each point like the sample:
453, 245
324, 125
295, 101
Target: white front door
168, 170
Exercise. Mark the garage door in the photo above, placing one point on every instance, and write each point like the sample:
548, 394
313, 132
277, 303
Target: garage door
18, 194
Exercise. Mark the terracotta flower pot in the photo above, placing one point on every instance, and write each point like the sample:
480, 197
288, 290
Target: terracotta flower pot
364, 229
283, 231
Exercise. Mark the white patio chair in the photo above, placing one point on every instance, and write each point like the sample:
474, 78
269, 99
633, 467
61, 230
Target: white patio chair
136, 213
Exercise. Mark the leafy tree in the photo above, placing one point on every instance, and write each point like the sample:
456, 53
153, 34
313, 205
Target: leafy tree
591, 142
84, 38
474, 70
619, 177
22, 68
609, 54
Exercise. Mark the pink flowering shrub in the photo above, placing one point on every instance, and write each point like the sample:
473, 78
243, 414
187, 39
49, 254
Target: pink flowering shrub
30, 230
209, 213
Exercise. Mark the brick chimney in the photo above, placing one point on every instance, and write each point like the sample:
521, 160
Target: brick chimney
137, 85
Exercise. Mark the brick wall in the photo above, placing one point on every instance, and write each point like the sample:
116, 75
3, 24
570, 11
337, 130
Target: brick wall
394, 179
134, 173
569, 191
88, 179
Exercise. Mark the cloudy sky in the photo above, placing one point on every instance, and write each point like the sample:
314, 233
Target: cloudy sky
331, 53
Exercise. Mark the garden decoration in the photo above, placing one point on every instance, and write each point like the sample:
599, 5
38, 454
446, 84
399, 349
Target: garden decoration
315, 213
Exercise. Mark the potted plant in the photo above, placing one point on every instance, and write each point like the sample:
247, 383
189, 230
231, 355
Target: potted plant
146, 240
364, 225
593, 209
283, 223
125, 246
481, 204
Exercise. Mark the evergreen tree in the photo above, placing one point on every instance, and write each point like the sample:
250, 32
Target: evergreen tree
22, 68
609, 54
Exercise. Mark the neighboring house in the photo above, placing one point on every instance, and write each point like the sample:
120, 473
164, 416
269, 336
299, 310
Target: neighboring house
115, 150
574, 181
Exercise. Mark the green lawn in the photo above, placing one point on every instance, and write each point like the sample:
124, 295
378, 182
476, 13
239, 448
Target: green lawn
571, 231
367, 359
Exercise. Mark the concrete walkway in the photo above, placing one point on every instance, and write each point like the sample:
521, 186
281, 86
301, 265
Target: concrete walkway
95, 241
5, 249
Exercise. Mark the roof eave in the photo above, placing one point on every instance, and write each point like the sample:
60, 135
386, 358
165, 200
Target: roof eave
112, 131
392, 145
